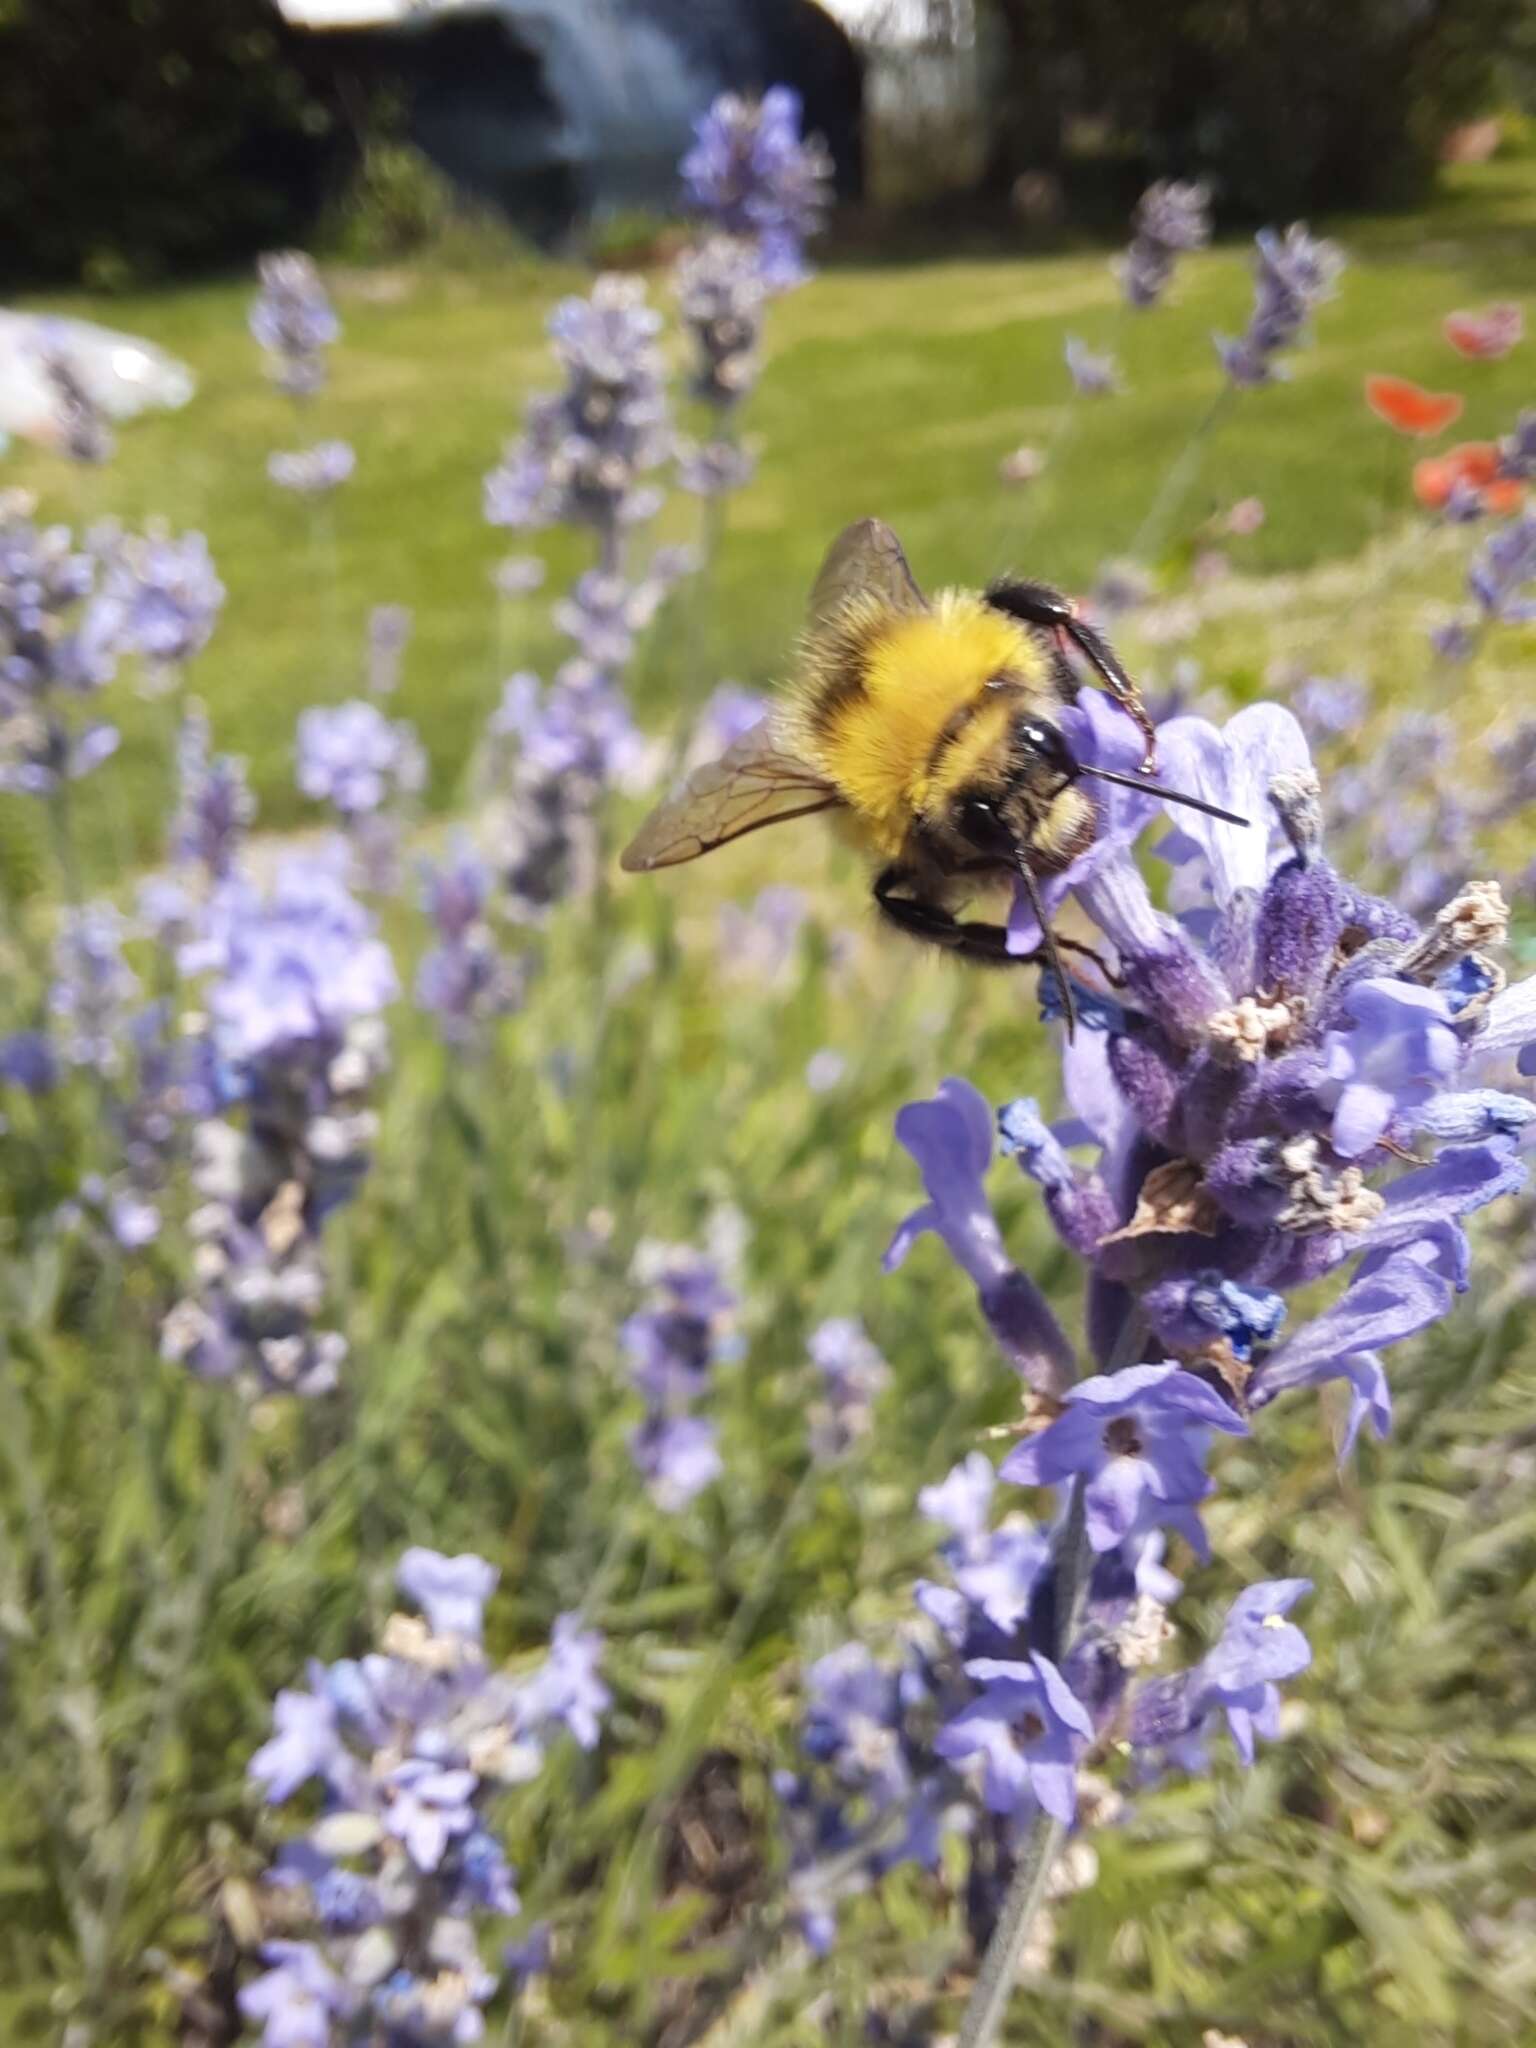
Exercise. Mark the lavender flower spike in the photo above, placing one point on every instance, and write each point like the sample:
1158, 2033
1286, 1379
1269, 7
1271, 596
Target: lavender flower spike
293, 320
1093, 375
1137, 1436
1294, 273
752, 175
950, 1138
1171, 218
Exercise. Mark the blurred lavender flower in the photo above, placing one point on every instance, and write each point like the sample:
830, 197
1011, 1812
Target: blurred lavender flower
752, 175
1331, 707
297, 979
389, 634
1120, 587
367, 767
673, 1346
603, 614
1517, 449
28, 1062
1295, 273
294, 322
401, 1871
869, 1794
92, 989
299, 2001
574, 740
57, 644
355, 759
518, 575
728, 714
160, 596
1093, 375
313, 472
1501, 573
215, 806
464, 980
759, 942
1172, 217
722, 297
852, 1374
711, 469
584, 450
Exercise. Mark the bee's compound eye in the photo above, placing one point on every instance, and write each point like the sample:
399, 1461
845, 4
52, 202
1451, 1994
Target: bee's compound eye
1039, 737
980, 822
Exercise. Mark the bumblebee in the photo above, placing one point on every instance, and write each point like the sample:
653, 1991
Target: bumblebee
930, 726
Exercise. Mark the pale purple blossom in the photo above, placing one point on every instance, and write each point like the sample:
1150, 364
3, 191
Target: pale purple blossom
58, 647
313, 472
411, 1744
1294, 273
450, 1591
160, 596
672, 1347
1172, 217
722, 297
355, 759
852, 1373
1239, 1677
752, 174
1094, 373
294, 322
1137, 1437
1024, 1729
586, 450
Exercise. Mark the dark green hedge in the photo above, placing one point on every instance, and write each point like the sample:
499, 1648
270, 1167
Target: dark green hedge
1293, 106
143, 136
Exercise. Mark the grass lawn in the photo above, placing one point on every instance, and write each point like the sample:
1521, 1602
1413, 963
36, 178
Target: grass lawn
892, 387
1366, 1882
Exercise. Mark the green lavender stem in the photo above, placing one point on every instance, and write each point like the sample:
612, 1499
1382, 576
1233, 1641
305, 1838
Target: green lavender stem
1179, 477
213, 1540
999, 1972
1073, 1564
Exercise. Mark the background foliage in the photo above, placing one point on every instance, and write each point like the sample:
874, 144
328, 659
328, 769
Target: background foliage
153, 135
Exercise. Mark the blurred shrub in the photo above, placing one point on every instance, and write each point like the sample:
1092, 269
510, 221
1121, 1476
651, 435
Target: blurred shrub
1291, 105
399, 204
145, 135
634, 238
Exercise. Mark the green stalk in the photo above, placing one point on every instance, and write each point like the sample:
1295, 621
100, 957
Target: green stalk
998, 1976
212, 1545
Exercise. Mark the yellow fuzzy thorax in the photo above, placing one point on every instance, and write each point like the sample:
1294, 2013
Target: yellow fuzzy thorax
878, 690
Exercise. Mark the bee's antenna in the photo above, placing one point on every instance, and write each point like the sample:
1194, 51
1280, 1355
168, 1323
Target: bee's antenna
1169, 796
1048, 944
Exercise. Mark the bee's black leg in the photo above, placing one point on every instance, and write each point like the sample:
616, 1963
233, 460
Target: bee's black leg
1038, 605
985, 944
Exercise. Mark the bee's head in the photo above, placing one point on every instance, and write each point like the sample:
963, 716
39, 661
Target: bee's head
1030, 803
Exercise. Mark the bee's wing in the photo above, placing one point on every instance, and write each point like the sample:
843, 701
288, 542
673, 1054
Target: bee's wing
865, 559
757, 781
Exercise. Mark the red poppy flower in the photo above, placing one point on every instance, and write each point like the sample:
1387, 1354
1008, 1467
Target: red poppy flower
1411, 409
1474, 464
1488, 334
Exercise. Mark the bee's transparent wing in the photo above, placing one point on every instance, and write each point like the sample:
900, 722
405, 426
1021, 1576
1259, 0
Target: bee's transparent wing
756, 782
866, 559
